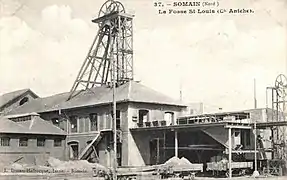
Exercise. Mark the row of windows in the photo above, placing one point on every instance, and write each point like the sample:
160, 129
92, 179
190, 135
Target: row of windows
144, 116
23, 118
93, 118
74, 122
23, 142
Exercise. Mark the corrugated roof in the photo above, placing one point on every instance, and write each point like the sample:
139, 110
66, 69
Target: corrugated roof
34, 126
132, 92
8, 97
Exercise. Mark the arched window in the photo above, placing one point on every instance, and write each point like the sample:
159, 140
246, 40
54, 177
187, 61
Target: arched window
23, 101
169, 118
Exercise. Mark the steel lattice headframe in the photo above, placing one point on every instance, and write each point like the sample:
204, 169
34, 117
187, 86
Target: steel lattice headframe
279, 94
113, 43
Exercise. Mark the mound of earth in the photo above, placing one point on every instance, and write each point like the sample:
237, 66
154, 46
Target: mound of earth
175, 161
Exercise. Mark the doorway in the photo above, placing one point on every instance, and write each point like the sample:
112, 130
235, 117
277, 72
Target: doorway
74, 150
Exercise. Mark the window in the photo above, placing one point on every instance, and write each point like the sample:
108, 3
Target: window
169, 118
41, 142
57, 142
248, 135
143, 116
23, 118
56, 122
118, 118
74, 124
23, 101
94, 122
23, 142
5, 141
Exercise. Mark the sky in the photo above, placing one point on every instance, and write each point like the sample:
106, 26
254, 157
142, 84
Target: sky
212, 58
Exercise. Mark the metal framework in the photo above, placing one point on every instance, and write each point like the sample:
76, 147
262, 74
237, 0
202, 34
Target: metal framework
278, 98
114, 40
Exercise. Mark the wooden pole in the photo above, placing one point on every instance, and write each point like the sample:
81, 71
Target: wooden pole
255, 147
175, 144
229, 153
157, 151
114, 116
255, 173
164, 150
255, 99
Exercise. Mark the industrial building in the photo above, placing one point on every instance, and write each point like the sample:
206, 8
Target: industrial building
29, 139
108, 116
87, 119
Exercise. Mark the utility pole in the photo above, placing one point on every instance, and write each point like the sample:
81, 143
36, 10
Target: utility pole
115, 123
255, 173
255, 99
114, 114
230, 152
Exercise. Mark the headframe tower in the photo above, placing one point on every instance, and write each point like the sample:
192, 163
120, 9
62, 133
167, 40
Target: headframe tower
113, 42
278, 114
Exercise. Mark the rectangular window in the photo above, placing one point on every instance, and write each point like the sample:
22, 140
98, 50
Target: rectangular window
5, 141
57, 142
143, 116
93, 122
248, 143
41, 142
169, 118
74, 124
118, 118
23, 142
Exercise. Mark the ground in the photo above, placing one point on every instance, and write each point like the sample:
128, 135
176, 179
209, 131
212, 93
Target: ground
90, 178
243, 178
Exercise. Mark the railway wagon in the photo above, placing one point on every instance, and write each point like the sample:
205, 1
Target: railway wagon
238, 168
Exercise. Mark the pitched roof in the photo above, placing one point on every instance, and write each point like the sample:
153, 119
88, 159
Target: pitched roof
129, 92
8, 126
34, 126
40, 126
8, 97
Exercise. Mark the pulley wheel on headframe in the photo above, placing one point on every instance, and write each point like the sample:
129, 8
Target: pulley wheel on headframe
281, 85
111, 6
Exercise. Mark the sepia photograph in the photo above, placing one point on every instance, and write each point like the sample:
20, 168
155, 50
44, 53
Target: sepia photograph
143, 89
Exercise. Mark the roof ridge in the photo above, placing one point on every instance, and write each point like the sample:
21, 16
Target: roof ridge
16, 90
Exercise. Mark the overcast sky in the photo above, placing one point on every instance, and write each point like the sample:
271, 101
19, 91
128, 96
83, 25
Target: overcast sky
215, 58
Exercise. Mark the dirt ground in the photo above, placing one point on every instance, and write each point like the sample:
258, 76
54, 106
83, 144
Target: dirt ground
94, 178
243, 178
39, 177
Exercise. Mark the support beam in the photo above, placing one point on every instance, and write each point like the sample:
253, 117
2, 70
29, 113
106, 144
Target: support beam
255, 173
229, 152
238, 127
255, 146
175, 144
164, 153
157, 151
